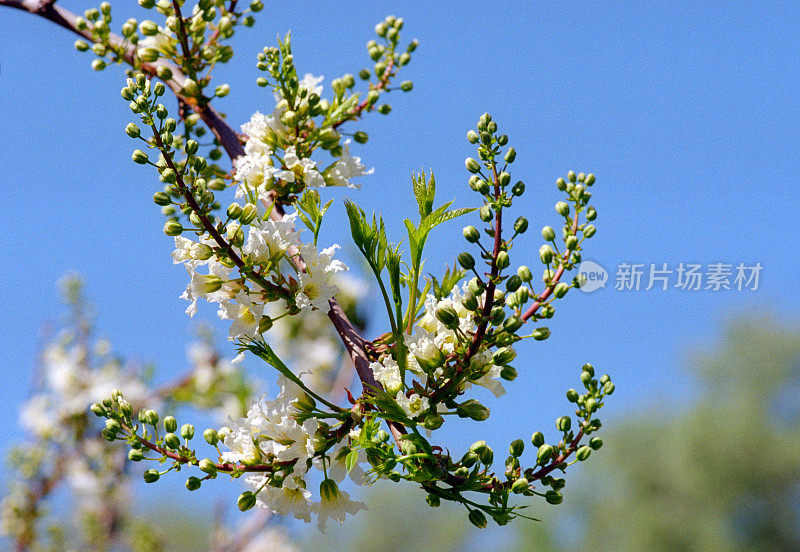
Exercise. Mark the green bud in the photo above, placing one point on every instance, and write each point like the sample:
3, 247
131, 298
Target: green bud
487, 456
595, 443
469, 459
571, 242
572, 176
433, 501
504, 355
562, 208
560, 290
516, 448
518, 189
413, 45
139, 157
170, 424
572, 396
211, 436
148, 28
190, 87
608, 388
162, 198
234, 211
485, 213
364, 74
544, 454
164, 73
151, 476
589, 231
504, 179
561, 184
513, 283
159, 89
471, 234
497, 315
591, 405
135, 455
520, 485
502, 260
545, 254
553, 497
563, 423
583, 453
472, 137
207, 465
448, 316
433, 421
588, 368
466, 261
477, 447
193, 483
173, 228
187, 431
361, 137
249, 213
589, 180
540, 334
521, 225
172, 441
406, 86
472, 409
192, 147
511, 154
537, 439
508, 373
246, 501
477, 519
472, 165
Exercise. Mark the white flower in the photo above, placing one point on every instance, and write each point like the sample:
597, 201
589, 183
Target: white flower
345, 168
270, 239
316, 283
292, 498
414, 405
304, 168
161, 41
388, 374
335, 504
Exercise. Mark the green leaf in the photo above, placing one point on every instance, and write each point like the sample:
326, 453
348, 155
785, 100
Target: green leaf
351, 460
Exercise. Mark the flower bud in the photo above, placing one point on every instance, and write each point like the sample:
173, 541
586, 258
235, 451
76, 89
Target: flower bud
172, 441
504, 179
518, 189
516, 448
562, 208
471, 234
472, 165
193, 483
588, 368
485, 213
572, 176
537, 439
246, 501
190, 87
503, 356
502, 260
583, 453
513, 283
553, 497
433, 501
466, 261
469, 459
151, 476
477, 447
207, 466
608, 388
545, 254
472, 136
170, 424
361, 137
211, 436
448, 316
540, 334
571, 242
139, 157
135, 455
544, 454
433, 421
520, 485
560, 290
487, 456
572, 396
477, 519
151, 417
508, 373
249, 213
187, 431
521, 225
589, 231
563, 423
511, 154
472, 409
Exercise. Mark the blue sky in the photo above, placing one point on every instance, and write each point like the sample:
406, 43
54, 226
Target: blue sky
687, 114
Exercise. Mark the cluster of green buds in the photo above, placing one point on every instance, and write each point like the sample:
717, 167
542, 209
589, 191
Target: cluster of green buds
194, 42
